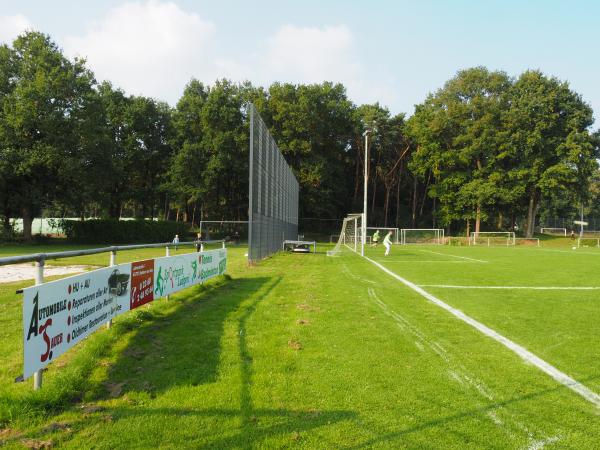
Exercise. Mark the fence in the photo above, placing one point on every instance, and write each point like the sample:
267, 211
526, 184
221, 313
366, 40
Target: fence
273, 194
72, 308
564, 222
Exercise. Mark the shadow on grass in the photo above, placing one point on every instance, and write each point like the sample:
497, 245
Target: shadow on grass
166, 347
184, 346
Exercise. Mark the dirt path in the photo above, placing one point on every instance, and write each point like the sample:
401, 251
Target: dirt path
19, 272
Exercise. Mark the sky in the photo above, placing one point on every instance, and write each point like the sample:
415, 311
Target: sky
391, 52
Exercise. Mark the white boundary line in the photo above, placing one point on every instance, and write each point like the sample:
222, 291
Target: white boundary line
522, 352
416, 261
454, 256
535, 288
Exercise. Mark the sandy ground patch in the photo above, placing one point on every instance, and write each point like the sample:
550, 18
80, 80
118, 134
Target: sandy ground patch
19, 272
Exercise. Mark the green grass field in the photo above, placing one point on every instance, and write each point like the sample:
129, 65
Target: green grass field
313, 351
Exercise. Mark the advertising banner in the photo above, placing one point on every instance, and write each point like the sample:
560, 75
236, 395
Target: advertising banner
59, 314
173, 273
142, 283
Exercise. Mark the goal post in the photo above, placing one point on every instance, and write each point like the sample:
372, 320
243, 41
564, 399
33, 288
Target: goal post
422, 236
350, 237
554, 231
490, 238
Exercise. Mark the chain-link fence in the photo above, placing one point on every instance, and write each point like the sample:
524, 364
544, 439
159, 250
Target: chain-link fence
273, 206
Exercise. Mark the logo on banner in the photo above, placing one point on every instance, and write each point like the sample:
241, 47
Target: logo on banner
44, 315
142, 283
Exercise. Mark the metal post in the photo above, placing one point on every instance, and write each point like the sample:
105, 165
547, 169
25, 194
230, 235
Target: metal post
167, 253
113, 261
581, 225
250, 183
364, 224
201, 246
355, 234
39, 279
223, 243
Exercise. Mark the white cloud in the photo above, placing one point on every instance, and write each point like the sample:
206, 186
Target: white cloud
12, 26
152, 48
311, 55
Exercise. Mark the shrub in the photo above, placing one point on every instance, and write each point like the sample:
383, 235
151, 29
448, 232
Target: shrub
112, 231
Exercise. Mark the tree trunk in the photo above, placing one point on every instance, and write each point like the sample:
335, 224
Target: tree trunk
500, 220
27, 222
468, 228
387, 202
478, 219
531, 213
414, 203
397, 201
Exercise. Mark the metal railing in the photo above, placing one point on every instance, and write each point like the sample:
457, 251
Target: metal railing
40, 258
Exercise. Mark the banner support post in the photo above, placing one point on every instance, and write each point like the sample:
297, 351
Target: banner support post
167, 253
113, 261
39, 279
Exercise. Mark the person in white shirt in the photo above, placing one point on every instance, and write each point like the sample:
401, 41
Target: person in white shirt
387, 243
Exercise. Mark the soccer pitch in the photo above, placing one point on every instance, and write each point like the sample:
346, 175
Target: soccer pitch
313, 351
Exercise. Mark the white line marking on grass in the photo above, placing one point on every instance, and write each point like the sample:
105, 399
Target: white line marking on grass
538, 445
418, 261
455, 256
537, 288
522, 352
572, 252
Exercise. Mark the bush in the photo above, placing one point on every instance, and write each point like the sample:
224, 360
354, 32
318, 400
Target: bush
112, 231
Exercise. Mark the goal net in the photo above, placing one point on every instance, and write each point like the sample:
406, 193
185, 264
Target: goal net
588, 242
554, 231
382, 232
350, 238
491, 238
422, 236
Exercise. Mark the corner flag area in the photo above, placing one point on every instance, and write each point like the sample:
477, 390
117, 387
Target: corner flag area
330, 352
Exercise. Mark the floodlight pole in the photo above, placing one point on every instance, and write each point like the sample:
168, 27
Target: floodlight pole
364, 221
581, 224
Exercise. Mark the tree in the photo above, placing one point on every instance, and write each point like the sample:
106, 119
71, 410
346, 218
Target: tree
549, 143
458, 133
41, 105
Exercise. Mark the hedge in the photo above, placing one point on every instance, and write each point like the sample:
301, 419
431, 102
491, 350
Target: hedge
112, 231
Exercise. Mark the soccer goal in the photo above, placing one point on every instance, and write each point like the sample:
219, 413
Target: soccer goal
422, 236
588, 242
492, 238
528, 242
350, 237
554, 231
382, 232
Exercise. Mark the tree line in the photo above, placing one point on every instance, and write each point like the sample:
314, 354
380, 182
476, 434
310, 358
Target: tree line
486, 151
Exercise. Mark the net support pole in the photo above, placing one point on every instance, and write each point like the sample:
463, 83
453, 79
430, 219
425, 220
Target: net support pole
250, 183
39, 279
364, 218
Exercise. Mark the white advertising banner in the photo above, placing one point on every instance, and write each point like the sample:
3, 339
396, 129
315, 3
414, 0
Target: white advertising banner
173, 273
59, 314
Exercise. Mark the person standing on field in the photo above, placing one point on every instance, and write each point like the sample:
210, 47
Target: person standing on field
176, 241
387, 243
375, 239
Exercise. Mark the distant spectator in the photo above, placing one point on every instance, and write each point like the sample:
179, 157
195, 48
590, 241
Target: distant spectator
236, 238
572, 235
176, 241
198, 244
